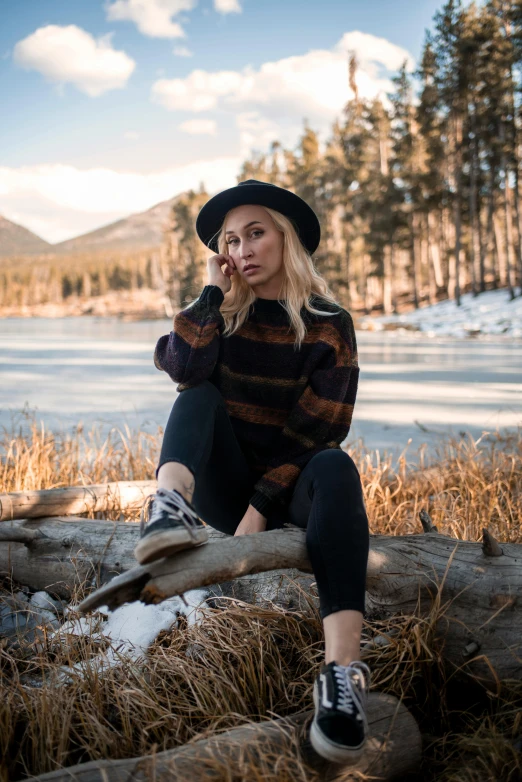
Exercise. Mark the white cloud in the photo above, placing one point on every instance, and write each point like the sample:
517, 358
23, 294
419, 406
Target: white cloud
131, 135
312, 85
200, 91
58, 202
266, 103
71, 55
258, 132
182, 51
199, 127
152, 17
372, 51
227, 6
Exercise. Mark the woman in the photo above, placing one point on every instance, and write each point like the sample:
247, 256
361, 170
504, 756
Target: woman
266, 363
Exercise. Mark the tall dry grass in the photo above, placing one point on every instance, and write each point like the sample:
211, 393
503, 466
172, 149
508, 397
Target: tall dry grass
34, 457
469, 484
247, 662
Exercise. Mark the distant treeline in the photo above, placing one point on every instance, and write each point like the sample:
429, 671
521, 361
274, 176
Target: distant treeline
418, 195
53, 279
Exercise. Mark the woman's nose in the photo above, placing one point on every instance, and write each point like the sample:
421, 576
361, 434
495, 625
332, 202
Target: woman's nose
245, 251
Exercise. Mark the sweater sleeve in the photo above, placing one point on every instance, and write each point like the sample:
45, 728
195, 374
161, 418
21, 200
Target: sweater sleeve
189, 353
320, 419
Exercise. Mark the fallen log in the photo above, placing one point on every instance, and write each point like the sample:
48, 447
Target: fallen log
59, 554
393, 750
474, 595
118, 495
475, 589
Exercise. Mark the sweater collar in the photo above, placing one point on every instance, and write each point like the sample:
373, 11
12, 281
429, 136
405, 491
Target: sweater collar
268, 306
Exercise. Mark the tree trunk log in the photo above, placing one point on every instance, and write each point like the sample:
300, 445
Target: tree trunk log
74, 499
473, 593
473, 590
58, 554
393, 749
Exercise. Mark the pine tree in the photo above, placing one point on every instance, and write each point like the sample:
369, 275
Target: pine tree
405, 167
183, 259
430, 120
452, 79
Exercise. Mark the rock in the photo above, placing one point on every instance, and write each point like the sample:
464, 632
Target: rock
22, 623
44, 601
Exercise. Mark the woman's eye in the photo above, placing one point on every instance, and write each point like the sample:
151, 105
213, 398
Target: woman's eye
257, 231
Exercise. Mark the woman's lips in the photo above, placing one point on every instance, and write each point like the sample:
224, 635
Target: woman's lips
252, 270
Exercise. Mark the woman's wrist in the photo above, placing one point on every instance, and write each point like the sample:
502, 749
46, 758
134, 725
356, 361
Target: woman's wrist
251, 522
255, 514
216, 285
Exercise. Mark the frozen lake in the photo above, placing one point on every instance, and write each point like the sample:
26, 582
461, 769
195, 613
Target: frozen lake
101, 370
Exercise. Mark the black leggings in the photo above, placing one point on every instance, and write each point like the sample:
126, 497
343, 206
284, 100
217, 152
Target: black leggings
327, 499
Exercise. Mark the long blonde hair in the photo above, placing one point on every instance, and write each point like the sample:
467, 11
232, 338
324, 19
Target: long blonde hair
301, 281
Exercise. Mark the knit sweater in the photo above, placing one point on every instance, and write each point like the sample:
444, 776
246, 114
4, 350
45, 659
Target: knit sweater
285, 405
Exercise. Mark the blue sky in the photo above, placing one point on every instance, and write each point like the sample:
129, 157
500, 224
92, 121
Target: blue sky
115, 105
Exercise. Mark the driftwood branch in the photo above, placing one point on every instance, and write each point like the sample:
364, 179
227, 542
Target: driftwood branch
427, 524
490, 545
393, 750
74, 499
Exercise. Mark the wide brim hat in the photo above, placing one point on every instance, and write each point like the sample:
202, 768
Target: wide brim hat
252, 191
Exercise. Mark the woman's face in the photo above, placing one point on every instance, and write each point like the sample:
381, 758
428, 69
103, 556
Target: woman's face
253, 239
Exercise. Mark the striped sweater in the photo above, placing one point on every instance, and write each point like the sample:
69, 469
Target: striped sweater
285, 405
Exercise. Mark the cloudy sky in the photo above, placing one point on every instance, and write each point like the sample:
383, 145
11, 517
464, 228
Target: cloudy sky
110, 106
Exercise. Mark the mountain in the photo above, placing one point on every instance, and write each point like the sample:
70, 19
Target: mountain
140, 231
17, 240
137, 232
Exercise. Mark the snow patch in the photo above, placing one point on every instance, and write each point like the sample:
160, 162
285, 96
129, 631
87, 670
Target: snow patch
491, 312
130, 629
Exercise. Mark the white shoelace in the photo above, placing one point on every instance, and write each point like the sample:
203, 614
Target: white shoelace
353, 682
175, 505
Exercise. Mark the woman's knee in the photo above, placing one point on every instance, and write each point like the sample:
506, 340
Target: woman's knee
204, 392
333, 463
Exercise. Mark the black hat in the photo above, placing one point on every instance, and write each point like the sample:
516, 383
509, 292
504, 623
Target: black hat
305, 221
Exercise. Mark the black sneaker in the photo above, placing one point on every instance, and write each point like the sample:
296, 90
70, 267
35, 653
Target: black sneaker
172, 525
339, 728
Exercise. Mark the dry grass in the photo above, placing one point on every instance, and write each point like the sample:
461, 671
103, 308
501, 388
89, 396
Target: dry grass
248, 662
33, 457
240, 663
470, 484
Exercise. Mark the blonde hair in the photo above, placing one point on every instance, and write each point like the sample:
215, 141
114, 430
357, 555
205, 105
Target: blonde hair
301, 281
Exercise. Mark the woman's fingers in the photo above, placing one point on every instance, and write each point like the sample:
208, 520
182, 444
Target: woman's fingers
220, 266
223, 258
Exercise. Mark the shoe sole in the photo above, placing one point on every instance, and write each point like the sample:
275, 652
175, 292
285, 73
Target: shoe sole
331, 750
158, 545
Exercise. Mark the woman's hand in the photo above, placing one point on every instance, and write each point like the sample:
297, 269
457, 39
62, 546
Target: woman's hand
252, 522
218, 277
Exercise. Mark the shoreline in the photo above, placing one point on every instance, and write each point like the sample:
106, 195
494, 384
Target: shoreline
399, 331
490, 316
145, 304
